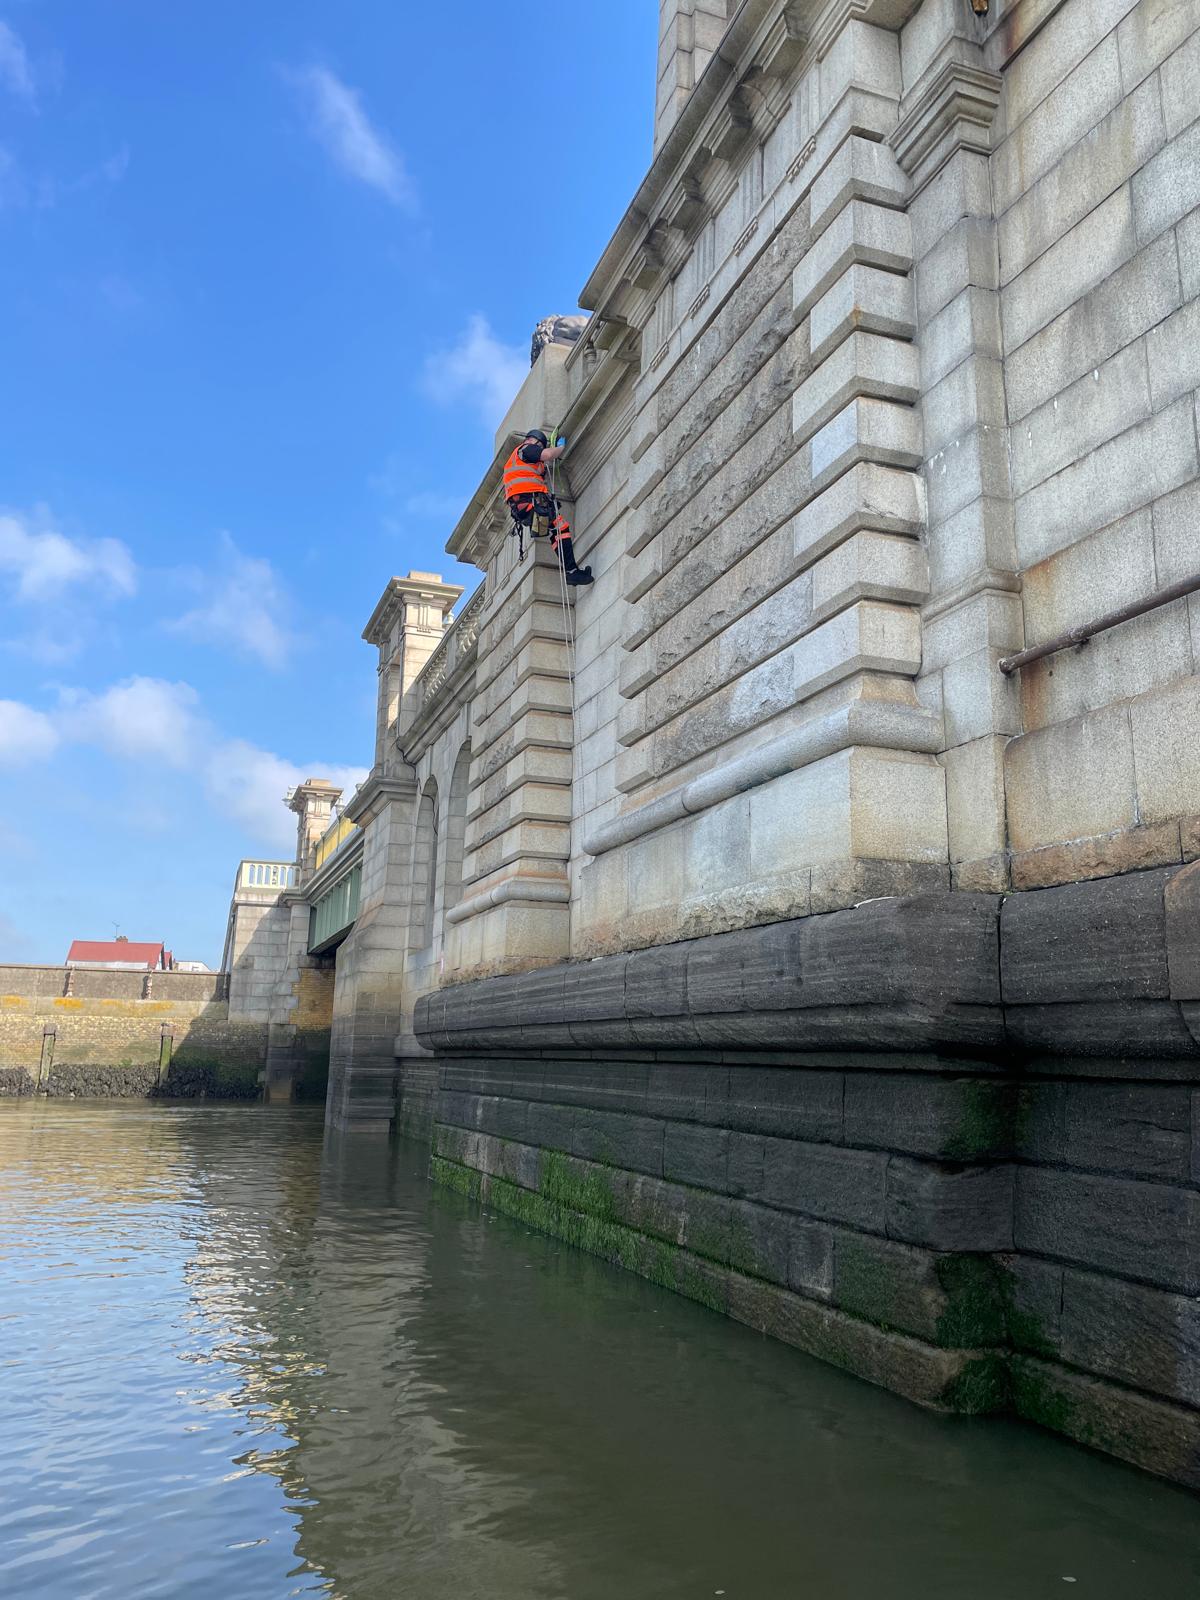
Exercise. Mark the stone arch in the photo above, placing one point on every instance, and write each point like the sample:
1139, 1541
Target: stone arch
424, 874
453, 847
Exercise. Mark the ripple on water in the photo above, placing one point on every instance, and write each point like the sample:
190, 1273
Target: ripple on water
239, 1361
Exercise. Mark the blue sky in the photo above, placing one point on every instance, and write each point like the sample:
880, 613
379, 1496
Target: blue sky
268, 273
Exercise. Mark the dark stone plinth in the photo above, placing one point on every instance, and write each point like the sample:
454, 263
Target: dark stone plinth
949, 1143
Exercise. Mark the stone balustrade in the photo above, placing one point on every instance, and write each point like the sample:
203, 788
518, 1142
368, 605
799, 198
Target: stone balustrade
456, 648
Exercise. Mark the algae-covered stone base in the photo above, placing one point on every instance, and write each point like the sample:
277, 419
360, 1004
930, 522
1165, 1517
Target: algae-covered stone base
711, 1251
951, 1144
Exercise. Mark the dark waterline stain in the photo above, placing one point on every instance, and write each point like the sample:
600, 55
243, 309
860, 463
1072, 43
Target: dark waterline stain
240, 1360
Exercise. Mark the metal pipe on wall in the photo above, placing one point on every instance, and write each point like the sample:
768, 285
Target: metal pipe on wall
1111, 619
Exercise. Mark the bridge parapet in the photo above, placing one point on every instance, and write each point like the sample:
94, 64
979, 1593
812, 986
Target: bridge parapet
332, 840
266, 875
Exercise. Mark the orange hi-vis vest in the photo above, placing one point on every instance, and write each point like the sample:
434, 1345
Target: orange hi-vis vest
523, 477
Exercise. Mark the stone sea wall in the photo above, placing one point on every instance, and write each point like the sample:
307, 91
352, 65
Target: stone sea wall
949, 1143
95, 1033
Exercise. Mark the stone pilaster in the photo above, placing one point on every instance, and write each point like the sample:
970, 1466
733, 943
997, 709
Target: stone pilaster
513, 913
973, 614
369, 989
301, 1014
775, 567
406, 627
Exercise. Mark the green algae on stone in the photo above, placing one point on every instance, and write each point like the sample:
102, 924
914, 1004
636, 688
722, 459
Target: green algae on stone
974, 1313
464, 1180
982, 1386
986, 1125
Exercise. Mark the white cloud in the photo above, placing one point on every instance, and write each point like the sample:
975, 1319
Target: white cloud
141, 718
248, 784
479, 370
16, 74
46, 563
243, 604
26, 735
342, 126
155, 724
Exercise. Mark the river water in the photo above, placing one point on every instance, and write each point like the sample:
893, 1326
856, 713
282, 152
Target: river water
239, 1362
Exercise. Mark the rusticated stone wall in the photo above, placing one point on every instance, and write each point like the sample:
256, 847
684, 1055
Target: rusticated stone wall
950, 1143
96, 1033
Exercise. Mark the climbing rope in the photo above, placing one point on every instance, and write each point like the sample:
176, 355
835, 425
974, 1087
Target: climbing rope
568, 608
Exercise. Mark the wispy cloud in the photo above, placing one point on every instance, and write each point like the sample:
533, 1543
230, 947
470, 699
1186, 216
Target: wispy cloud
16, 74
243, 603
433, 509
247, 784
477, 370
146, 719
151, 723
44, 564
26, 735
339, 122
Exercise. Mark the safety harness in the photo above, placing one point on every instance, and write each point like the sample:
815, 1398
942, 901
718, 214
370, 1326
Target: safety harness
532, 503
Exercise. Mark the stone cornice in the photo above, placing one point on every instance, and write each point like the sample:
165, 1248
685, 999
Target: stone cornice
484, 519
375, 792
764, 39
743, 94
953, 111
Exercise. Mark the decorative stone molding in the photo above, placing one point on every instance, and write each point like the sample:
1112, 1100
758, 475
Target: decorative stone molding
785, 42
888, 727
530, 890
954, 112
377, 791
829, 27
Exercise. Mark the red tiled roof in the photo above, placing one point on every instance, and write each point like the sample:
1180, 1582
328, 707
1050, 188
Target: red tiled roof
114, 950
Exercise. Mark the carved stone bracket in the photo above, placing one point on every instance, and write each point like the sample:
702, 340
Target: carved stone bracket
954, 112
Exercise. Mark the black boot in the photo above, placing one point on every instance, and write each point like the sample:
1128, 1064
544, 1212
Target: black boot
575, 574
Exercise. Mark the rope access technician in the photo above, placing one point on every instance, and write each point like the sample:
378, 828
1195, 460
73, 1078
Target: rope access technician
533, 506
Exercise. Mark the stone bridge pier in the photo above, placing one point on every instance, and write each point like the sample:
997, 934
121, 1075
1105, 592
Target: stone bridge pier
739, 918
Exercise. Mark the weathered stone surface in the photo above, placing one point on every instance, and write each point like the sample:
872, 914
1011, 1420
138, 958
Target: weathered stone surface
1073, 781
696, 1155
951, 1300
1137, 1129
949, 1206
1168, 187
1130, 850
1038, 141
824, 1181
794, 1103
1058, 945
831, 1095
1089, 171
1091, 330
1161, 1438
941, 1379
957, 1119
1105, 1223
618, 1141
1138, 1336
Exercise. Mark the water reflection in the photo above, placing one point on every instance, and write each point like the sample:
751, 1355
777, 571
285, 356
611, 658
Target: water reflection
236, 1359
